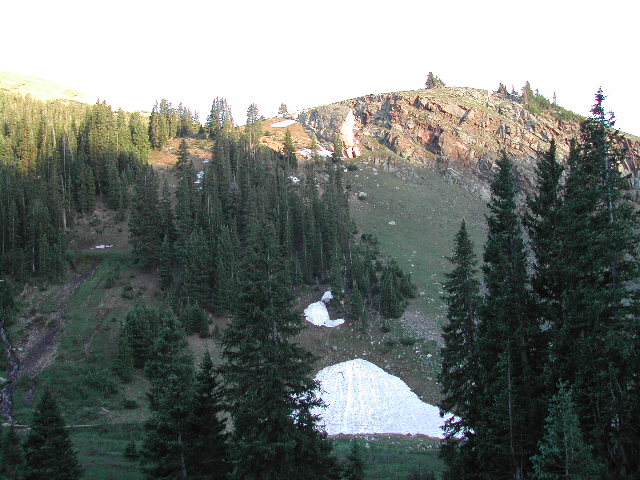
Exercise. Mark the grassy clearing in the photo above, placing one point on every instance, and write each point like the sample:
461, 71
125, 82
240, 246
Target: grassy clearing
393, 457
427, 213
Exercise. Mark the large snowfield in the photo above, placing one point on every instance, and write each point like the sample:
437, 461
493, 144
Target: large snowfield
363, 398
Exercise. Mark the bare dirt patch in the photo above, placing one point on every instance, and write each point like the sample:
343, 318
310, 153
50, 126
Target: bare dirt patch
38, 350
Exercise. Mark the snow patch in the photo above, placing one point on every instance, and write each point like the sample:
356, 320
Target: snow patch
294, 179
323, 152
200, 176
327, 296
283, 123
100, 247
318, 314
363, 398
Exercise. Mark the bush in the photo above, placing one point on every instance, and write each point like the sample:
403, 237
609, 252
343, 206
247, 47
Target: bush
129, 404
408, 340
421, 475
130, 451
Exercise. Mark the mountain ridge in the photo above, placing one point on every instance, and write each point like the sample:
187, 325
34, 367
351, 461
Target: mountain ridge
461, 131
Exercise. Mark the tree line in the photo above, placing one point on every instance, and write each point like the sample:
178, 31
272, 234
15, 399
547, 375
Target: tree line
196, 235
55, 158
541, 365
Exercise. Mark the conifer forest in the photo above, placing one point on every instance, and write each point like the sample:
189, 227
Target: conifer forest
184, 353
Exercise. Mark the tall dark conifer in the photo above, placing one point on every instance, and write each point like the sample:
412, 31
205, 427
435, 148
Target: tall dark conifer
594, 345
460, 371
48, 451
508, 336
269, 389
208, 452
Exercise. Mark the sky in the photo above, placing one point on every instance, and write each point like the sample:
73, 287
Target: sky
304, 54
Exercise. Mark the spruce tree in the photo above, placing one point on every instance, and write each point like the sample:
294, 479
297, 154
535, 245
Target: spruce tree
165, 257
11, 456
145, 224
509, 398
592, 346
171, 375
269, 390
48, 452
460, 373
564, 455
355, 465
208, 452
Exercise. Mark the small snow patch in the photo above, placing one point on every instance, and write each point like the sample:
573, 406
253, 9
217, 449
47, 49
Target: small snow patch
294, 179
200, 176
323, 152
363, 398
327, 296
100, 247
317, 314
283, 123
392, 222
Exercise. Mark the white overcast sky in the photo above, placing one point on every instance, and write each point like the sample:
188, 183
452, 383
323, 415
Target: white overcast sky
307, 54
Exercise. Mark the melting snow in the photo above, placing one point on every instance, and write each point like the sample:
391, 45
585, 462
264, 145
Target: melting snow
200, 176
363, 398
283, 123
317, 314
327, 296
294, 179
100, 247
323, 152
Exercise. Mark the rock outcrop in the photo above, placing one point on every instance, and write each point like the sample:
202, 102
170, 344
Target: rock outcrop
461, 131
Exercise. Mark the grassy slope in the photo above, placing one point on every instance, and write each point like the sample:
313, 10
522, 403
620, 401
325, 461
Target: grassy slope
37, 87
427, 213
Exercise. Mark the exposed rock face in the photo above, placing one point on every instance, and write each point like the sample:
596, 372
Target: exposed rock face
462, 131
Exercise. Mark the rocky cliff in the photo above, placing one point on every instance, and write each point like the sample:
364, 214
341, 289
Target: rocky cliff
460, 131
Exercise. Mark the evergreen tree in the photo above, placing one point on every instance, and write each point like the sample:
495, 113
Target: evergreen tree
282, 110
208, 452
289, 150
48, 452
267, 376
355, 465
460, 374
593, 341
145, 224
171, 375
510, 412
166, 264
197, 269
11, 457
563, 453
543, 221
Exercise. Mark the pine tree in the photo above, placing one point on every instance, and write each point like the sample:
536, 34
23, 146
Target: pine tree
289, 150
171, 375
208, 452
269, 390
592, 344
564, 455
459, 374
166, 264
355, 466
543, 222
48, 451
197, 269
145, 224
510, 412
282, 110
11, 456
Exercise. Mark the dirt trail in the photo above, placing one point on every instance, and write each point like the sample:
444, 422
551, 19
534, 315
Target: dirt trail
39, 349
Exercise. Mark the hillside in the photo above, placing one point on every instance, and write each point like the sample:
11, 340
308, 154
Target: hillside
38, 88
459, 131
417, 164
